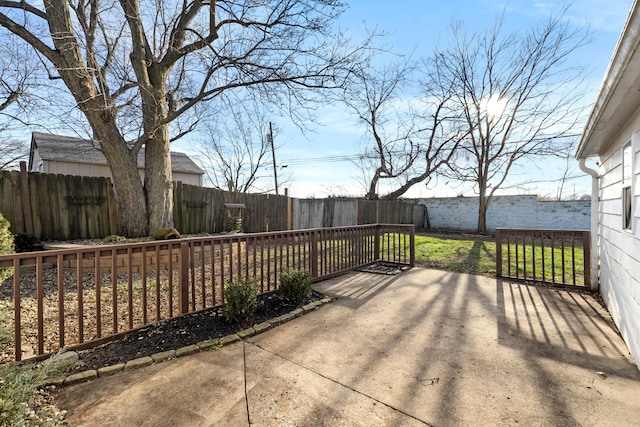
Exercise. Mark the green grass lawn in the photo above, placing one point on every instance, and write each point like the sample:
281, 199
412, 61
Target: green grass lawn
461, 254
477, 255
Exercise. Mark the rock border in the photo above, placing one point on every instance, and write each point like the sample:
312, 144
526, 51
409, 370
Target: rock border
207, 345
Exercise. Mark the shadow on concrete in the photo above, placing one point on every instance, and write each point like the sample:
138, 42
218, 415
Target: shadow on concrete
424, 347
541, 333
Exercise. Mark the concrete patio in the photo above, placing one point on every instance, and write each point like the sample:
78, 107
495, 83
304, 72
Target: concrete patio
421, 348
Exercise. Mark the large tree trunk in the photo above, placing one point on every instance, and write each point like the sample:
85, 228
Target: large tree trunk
482, 207
158, 180
132, 210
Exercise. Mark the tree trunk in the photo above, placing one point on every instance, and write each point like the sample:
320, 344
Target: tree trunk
372, 194
482, 207
158, 181
132, 211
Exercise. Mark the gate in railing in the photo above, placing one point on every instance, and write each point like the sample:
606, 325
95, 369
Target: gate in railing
85, 296
560, 257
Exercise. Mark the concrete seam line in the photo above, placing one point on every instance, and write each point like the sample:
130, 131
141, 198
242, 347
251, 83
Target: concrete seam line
341, 384
244, 370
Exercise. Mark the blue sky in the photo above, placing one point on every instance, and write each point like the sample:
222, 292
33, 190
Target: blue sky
419, 26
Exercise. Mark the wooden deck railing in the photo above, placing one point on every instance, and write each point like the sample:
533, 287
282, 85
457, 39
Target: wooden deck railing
83, 297
550, 256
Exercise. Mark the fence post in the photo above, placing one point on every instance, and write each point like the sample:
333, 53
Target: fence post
586, 254
376, 242
183, 285
16, 310
412, 248
498, 252
313, 253
26, 198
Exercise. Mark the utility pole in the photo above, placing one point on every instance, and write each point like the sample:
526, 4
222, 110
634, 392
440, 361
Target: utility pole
273, 155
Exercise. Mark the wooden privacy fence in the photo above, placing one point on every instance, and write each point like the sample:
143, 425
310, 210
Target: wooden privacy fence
58, 207
201, 210
86, 296
551, 256
66, 207
341, 211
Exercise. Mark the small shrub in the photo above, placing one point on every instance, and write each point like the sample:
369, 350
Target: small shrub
27, 242
6, 238
19, 386
295, 285
6, 246
114, 238
166, 233
241, 296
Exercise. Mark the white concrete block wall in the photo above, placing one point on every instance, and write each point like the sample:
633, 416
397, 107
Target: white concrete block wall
461, 213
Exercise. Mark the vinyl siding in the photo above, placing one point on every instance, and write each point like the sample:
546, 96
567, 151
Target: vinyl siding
620, 249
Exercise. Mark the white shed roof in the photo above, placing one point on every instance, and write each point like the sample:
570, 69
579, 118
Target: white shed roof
70, 149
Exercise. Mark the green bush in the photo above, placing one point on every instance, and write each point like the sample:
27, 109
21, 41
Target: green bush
19, 385
242, 299
295, 285
114, 238
6, 238
27, 242
6, 246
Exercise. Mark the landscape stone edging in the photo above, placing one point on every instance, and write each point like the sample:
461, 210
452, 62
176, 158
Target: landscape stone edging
207, 345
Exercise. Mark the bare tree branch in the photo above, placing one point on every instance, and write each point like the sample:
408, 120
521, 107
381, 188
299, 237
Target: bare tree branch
518, 95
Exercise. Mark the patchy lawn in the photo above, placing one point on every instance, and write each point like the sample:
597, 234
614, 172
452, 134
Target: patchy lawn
463, 253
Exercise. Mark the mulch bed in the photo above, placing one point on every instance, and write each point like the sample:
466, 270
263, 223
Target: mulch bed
183, 331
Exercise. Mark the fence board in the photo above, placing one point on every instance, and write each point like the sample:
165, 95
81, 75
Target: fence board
68, 207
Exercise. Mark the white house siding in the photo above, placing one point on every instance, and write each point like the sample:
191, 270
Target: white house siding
188, 178
72, 168
88, 169
620, 249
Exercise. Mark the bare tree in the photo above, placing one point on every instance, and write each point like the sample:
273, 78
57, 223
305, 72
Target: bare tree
236, 152
518, 94
134, 67
407, 143
16, 82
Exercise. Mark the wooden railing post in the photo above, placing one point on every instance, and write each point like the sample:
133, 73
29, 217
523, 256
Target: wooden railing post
16, 310
313, 253
412, 246
183, 285
586, 252
498, 252
376, 243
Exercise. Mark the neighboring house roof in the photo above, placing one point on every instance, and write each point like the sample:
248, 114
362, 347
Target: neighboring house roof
77, 150
619, 94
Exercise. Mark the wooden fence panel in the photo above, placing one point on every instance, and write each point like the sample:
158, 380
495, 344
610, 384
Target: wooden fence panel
65, 207
62, 206
11, 200
202, 210
367, 211
345, 212
264, 212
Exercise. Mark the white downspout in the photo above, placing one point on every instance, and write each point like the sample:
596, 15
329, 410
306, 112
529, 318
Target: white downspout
595, 246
